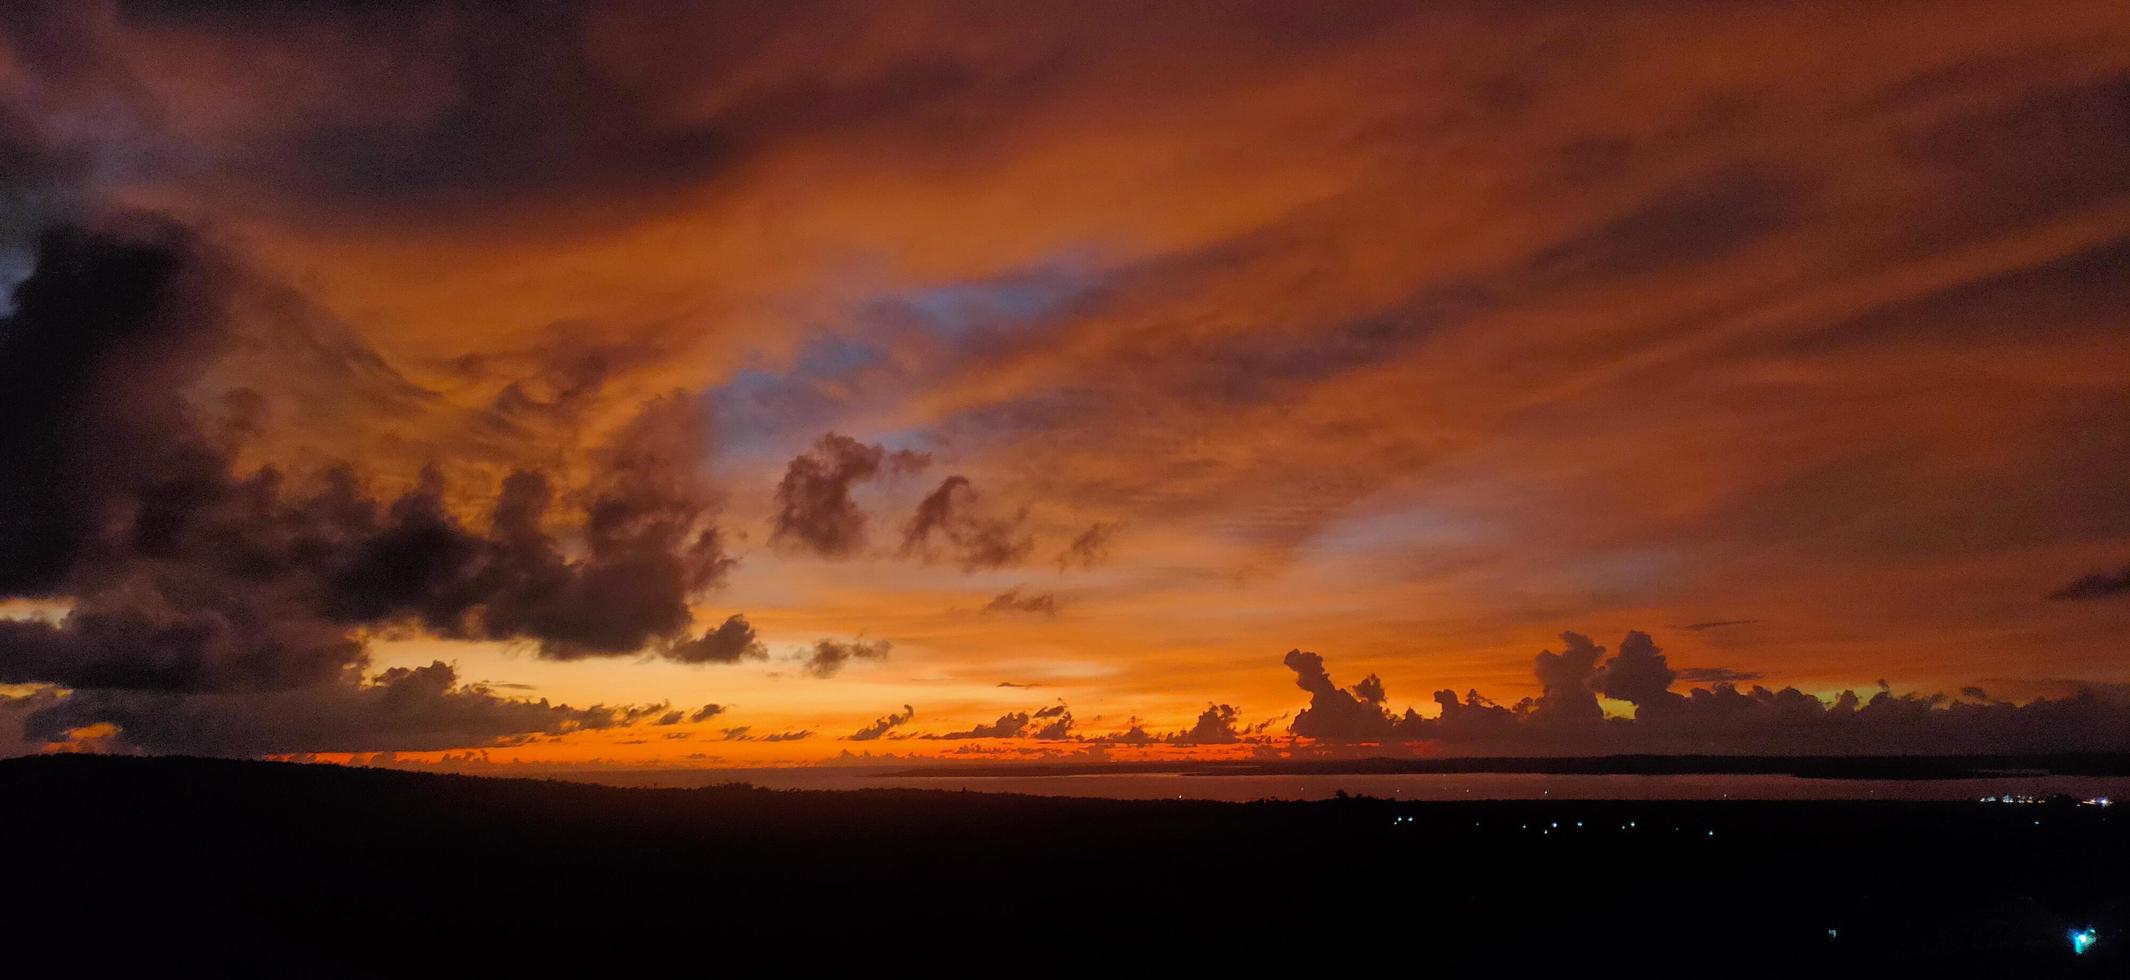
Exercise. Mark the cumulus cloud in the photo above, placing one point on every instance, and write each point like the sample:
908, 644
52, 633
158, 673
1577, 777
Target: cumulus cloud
188, 578
827, 658
732, 641
1014, 600
815, 513
951, 515
883, 724
1215, 726
1723, 718
1567, 680
1334, 713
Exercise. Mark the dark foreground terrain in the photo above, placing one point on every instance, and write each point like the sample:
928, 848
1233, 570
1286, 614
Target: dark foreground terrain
178, 867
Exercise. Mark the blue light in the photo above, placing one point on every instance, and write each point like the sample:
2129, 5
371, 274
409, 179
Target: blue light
2082, 940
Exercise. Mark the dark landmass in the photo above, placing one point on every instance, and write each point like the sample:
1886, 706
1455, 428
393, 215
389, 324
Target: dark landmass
173, 867
1809, 767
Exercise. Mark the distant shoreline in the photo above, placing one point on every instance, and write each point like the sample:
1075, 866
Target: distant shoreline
1805, 767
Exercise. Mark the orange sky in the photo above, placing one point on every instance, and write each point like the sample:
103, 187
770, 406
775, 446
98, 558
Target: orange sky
1413, 335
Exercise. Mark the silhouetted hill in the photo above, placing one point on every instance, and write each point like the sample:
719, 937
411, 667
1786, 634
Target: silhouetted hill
182, 866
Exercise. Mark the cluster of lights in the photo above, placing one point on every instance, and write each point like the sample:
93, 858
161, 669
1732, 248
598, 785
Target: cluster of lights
2082, 940
2023, 798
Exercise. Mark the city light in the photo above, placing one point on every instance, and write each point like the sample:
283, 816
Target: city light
2082, 940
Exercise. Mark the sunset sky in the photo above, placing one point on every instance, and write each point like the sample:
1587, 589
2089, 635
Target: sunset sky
1067, 361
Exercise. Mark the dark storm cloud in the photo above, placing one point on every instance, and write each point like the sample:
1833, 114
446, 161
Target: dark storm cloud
116, 322
815, 512
2099, 586
404, 709
1718, 719
1087, 549
973, 539
112, 325
1015, 601
826, 658
883, 724
187, 578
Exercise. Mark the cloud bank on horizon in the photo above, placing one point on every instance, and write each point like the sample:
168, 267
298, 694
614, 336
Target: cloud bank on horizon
805, 361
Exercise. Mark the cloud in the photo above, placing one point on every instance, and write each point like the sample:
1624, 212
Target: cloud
1336, 714
1215, 726
1568, 680
1716, 625
14, 713
1087, 549
1012, 724
882, 725
1721, 719
815, 513
188, 579
1013, 600
402, 709
746, 734
705, 713
975, 541
1053, 723
2095, 587
826, 658
732, 641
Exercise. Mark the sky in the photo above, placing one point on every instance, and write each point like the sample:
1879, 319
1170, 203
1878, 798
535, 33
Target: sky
750, 384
